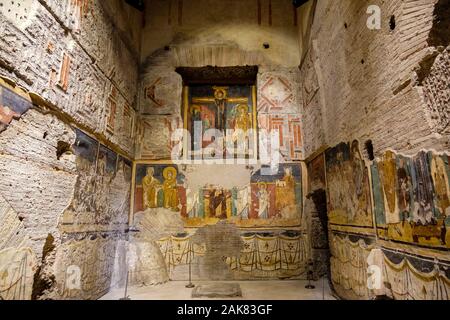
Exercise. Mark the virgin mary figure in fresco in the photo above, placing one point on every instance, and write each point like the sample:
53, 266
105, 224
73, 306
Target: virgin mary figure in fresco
170, 189
242, 125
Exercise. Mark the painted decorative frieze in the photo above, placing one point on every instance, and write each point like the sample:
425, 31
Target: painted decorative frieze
161, 93
289, 131
278, 93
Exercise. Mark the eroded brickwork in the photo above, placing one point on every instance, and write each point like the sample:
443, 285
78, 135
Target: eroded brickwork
387, 89
65, 200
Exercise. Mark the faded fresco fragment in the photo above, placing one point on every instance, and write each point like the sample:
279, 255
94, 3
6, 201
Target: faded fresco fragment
267, 200
348, 186
411, 198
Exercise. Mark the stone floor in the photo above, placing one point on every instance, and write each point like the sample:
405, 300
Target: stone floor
251, 290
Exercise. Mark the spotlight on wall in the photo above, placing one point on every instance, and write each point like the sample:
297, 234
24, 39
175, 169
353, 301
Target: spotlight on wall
266, 45
299, 3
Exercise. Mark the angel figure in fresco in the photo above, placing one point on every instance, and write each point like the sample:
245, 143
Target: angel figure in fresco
151, 186
264, 201
170, 190
285, 192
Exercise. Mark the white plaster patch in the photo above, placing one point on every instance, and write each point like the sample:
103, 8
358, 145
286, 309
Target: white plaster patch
225, 176
21, 12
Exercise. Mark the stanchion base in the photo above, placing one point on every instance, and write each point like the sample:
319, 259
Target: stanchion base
125, 298
310, 286
190, 285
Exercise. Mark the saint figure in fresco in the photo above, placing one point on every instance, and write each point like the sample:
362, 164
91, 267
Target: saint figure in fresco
360, 182
150, 186
218, 204
242, 124
423, 191
388, 168
196, 119
404, 188
264, 201
242, 120
206, 123
440, 179
170, 189
285, 191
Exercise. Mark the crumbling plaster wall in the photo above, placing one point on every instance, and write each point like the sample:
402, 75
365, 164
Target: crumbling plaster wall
50, 49
370, 81
78, 62
389, 86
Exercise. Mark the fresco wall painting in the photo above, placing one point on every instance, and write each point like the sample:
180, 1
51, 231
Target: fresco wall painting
99, 198
412, 198
267, 200
349, 199
230, 110
12, 106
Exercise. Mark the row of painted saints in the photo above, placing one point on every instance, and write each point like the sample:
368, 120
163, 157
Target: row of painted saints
275, 197
410, 195
220, 121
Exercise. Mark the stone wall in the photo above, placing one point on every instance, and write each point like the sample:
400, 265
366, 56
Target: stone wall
71, 54
67, 111
222, 34
378, 82
385, 90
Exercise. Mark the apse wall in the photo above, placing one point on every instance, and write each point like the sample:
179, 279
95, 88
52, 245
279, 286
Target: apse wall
242, 241
69, 74
375, 116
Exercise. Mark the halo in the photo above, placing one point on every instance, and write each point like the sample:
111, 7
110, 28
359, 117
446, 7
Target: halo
262, 183
170, 169
243, 107
222, 91
195, 107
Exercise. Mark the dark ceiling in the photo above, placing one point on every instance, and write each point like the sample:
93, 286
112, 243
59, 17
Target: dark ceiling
218, 75
139, 4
